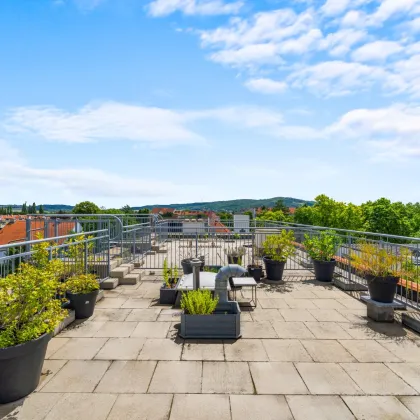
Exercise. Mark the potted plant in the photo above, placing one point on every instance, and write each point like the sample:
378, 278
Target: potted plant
187, 267
255, 271
29, 313
82, 291
277, 249
205, 317
170, 280
322, 248
234, 255
381, 269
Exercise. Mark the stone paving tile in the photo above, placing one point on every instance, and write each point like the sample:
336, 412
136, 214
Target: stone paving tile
149, 314
113, 329
151, 329
270, 303
356, 316
245, 316
285, 350
55, 344
111, 303
294, 303
81, 406
409, 372
170, 315
121, 349
176, 377
110, 314
141, 407
276, 378
245, 351
316, 407
161, 349
352, 303
138, 293
413, 404
226, 378
328, 304
134, 303
130, 377
327, 330
296, 315
327, 379
79, 349
202, 407
302, 294
203, 350
49, 370
266, 315
406, 350
327, 351
378, 408
84, 329
327, 315
369, 351
377, 379
259, 407
328, 292
258, 330
112, 293
292, 330
77, 376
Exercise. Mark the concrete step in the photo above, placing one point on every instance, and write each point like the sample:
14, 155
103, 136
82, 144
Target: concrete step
115, 263
130, 279
119, 272
100, 296
412, 320
109, 284
130, 266
138, 264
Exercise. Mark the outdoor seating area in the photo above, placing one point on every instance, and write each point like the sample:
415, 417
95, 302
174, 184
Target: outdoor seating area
307, 351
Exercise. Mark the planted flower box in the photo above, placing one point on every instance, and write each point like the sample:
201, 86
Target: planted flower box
167, 296
225, 322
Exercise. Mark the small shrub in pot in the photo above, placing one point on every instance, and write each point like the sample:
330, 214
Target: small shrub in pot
82, 291
170, 280
322, 248
234, 255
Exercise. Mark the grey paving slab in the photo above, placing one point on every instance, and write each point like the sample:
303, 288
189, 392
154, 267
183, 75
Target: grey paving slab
137, 303
161, 349
327, 379
286, 350
177, 377
81, 406
200, 406
406, 350
327, 315
352, 303
151, 329
356, 316
413, 404
328, 292
203, 350
300, 303
77, 376
328, 303
302, 293
245, 351
55, 344
327, 330
149, 314
327, 351
266, 315
259, 407
113, 329
296, 315
111, 303
369, 351
377, 379
409, 372
258, 330
131, 377
84, 329
141, 407
110, 314
121, 349
318, 407
270, 303
79, 349
378, 408
292, 330
226, 378
276, 378
49, 370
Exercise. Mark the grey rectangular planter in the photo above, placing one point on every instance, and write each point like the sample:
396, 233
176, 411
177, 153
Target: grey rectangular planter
224, 323
167, 296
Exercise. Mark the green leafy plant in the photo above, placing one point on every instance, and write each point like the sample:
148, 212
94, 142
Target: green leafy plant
322, 247
280, 247
211, 269
81, 284
170, 275
77, 253
235, 252
28, 308
199, 302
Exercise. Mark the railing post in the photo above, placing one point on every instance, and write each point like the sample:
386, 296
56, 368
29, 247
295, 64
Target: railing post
196, 244
349, 258
28, 234
86, 256
109, 250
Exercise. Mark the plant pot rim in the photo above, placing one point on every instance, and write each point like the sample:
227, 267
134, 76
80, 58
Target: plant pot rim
82, 294
20, 349
332, 260
270, 259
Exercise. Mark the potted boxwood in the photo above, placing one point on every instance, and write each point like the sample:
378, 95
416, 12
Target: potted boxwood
277, 249
29, 313
170, 280
82, 291
205, 317
381, 269
322, 248
234, 255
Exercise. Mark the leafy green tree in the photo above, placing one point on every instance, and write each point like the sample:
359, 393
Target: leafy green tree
275, 216
86, 207
24, 209
144, 211
126, 209
281, 206
41, 209
250, 214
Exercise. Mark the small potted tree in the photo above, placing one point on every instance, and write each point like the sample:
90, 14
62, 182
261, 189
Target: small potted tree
29, 313
170, 280
322, 248
235, 255
81, 291
277, 249
187, 267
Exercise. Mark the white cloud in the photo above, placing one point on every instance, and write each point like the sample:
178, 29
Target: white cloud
267, 86
340, 43
414, 25
335, 7
159, 8
391, 8
376, 51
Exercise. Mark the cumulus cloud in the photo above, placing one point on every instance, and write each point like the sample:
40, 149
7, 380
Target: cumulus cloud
377, 51
267, 86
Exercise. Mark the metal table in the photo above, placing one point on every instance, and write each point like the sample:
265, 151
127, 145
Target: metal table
242, 282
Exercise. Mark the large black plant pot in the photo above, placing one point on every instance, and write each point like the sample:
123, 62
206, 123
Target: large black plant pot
167, 296
274, 269
187, 267
255, 271
382, 289
83, 304
324, 270
20, 368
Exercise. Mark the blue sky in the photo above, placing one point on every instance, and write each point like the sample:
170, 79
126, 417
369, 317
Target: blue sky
163, 101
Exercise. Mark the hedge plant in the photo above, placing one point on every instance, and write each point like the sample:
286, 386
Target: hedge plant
322, 247
199, 302
280, 247
81, 284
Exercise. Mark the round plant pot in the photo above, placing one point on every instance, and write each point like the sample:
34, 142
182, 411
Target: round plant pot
382, 289
324, 270
274, 269
256, 272
234, 259
187, 267
83, 304
20, 368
